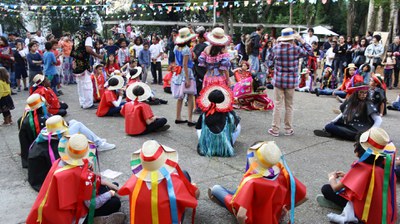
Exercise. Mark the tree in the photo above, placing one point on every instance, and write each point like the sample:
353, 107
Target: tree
371, 16
350, 17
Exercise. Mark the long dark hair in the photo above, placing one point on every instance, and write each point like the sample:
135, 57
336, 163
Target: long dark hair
4, 40
140, 39
216, 50
354, 105
4, 76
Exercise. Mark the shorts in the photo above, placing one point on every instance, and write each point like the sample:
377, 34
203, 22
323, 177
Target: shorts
21, 72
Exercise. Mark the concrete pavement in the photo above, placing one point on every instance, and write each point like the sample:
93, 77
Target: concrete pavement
309, 157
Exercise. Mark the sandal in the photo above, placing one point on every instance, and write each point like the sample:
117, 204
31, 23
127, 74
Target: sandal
273, 133
289, 132
180, 121
191, 124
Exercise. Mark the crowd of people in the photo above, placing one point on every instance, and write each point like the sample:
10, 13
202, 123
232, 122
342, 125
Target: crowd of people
210, 75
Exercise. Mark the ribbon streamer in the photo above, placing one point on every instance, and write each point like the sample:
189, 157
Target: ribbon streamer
171, 195
154, 197
292, 190
368, 200
135, 195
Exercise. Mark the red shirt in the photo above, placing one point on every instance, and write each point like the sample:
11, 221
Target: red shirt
136, 116
51, 98
111, 68
98, 86
356, 183
56, 53
106, 102
240, 75
185, 198
167, 80
63, 189
264, 198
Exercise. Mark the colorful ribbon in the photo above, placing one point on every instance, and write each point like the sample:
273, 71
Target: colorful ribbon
43, 203
51, 153
388, 164
292, 190
368, 200
135, 194
171, 195
92, 206
211, 109
246, 178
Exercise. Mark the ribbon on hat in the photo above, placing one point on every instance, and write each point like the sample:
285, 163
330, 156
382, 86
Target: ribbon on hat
51, 153
375, 144
211, 109
287, 33
43, 203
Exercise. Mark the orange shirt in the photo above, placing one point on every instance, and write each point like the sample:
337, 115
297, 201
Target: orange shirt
106, 102
136, 115
66, 46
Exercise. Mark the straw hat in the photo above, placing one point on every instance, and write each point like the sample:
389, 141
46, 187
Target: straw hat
35, 101
377, 140
55, 125
151, 158
75, 148
116, 72
141, 97
287, 34
37, 80
266, 155
217, 37
184, 36
351, 65
115, 82
221, 96
137, 71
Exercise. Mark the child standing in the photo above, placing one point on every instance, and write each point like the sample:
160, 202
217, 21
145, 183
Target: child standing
123, 53
20, 65
35, 60
144, 60
49, 70
389, 62
98, 81
6, 102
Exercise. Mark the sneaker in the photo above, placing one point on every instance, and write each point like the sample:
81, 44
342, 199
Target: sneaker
90, 108
104, 146
323, 202
163, 101
289, 132
273, 133
60, 92
322, 133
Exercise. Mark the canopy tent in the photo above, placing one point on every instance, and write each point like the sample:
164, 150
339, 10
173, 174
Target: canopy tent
320, 30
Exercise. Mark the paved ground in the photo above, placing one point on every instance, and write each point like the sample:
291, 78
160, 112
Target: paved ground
309, 157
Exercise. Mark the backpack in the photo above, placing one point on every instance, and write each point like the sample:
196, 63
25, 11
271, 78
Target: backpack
249, 44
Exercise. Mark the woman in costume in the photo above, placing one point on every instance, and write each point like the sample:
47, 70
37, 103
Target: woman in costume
267, 190
367, 192
216, 58
358, 115
218, 126
183, 82
159, 191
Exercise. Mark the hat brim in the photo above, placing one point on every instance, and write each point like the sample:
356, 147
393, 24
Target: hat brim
120, 82
389, 148
260, 169
287, 38
66, 156
351, 90
180, 40
225, 40
204, 103
137, 74
137, 169
38, 105
44, 131
38, 83
146, 95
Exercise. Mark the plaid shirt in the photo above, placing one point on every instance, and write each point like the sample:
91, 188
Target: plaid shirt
286, 61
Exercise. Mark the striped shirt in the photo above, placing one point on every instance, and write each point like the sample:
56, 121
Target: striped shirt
286, 61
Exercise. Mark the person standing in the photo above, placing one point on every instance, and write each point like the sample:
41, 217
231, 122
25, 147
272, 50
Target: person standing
82, 49
255, 42
35, 61
340, 58
395, 47
199, 71
310, 38
286, 56
156, 52
40, 40
171, 45
374, 52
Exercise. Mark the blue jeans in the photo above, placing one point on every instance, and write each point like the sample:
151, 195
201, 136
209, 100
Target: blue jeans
220, 194
115, 110
76, 127
340, 131
53, 82
329, 92
254, 64
388, 77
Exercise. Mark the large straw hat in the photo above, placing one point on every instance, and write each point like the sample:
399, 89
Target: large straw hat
218, 37
184, 36
35, 101
137, 71
141, 97
55, 125
266, 155
115, 82
287, 34
75, 148
377, 140
351, 65
209, 95
151, 158
37, 80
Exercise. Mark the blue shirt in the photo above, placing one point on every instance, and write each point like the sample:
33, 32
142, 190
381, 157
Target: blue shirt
180, 53
49, 61
34, 57
144, 57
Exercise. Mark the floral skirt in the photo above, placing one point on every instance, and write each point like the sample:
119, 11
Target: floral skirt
6, 104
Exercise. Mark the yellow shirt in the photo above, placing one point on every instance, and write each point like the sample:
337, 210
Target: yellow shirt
4, 89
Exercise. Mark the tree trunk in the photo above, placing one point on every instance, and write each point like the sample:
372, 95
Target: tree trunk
371, 16
351, 14
225, 19
231, 29
391, 27
266, 10
379, 19
290, 13
396, 30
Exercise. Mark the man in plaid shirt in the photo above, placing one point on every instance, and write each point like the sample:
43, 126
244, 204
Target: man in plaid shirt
285, 56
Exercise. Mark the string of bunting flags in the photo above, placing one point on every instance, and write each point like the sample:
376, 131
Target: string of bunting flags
139, 9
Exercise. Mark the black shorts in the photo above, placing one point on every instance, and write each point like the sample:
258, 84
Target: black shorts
20, 72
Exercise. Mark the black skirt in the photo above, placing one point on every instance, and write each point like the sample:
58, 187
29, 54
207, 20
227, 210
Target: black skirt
6, 104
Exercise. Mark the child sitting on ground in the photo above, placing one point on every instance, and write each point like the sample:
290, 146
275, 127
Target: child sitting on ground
242, 72
377, 93
172, 70
109, 104
328, 83
139, 118
304, 81
395, 105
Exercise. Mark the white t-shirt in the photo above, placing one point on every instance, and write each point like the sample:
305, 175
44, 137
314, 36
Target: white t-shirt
329, 56
155, 50
233, 54
89, 42
41, 41
137, 49
309, 40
